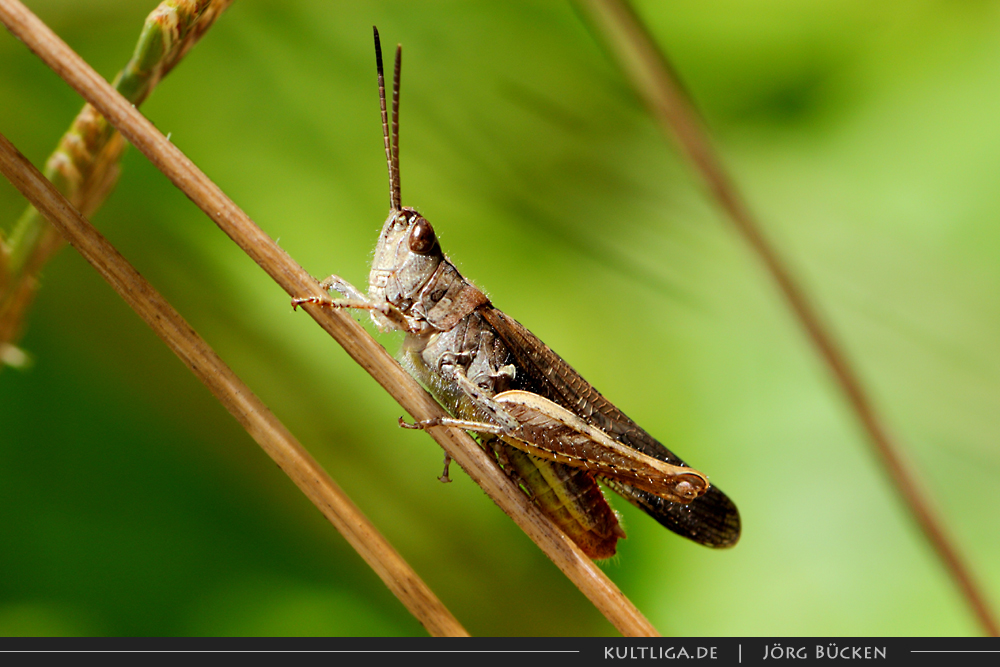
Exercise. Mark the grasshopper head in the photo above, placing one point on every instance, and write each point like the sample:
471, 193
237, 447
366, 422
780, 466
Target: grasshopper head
406, 257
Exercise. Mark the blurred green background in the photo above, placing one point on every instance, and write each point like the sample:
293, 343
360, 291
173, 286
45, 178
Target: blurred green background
866, 137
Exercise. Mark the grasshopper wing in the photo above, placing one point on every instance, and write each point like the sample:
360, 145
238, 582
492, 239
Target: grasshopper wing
712, 519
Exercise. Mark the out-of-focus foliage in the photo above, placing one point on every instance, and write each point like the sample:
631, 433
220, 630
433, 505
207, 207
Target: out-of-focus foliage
865, 136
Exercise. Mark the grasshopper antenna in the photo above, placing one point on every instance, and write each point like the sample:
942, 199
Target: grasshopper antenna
391, 146
394, 165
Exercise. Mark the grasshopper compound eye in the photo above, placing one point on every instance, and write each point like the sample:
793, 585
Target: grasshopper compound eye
422, 238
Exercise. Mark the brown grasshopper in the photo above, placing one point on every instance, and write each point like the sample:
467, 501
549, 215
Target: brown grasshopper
549, 429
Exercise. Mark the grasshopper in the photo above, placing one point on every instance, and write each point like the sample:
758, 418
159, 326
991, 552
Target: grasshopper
549, 429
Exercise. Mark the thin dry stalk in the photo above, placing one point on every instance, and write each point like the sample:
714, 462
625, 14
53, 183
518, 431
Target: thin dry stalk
602, 592
248, 410
654, 80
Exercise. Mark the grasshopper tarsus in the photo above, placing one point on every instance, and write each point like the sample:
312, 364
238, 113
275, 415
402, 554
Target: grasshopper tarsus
444, 478
323, 301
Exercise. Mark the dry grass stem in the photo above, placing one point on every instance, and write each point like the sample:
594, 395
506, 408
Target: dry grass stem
654, 80
358, 344
259, 422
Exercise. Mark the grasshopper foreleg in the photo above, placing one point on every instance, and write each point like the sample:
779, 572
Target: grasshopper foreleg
338, 284
357, 300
